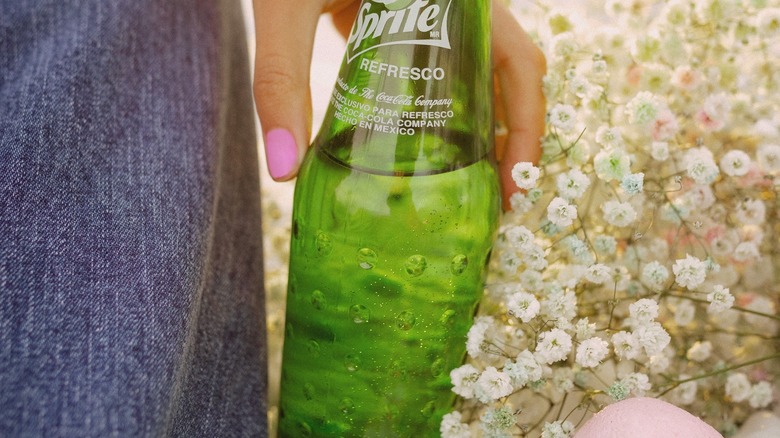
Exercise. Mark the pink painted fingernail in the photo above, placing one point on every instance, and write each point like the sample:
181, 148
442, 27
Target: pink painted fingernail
281, 152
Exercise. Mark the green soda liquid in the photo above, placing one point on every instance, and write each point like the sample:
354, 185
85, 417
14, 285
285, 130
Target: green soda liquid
386, 272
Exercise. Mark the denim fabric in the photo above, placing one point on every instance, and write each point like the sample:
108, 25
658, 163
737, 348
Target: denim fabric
130, 256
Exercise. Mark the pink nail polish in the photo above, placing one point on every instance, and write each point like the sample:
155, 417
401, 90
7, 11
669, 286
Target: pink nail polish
281, 152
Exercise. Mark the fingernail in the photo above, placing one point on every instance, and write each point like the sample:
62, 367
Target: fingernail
281, 152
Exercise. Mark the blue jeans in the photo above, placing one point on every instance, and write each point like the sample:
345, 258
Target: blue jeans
131, 299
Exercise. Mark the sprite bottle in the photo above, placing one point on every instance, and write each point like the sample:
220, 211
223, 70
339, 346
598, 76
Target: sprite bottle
395, 212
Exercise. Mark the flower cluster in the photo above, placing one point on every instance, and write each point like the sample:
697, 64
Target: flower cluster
640, 257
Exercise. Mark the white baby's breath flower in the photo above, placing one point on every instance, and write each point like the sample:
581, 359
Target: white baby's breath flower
686, 78
720, 299
561, 213
558, 429
534, 258
464, 380
612, 164
735, 163
563, 379
609, 137
553, 346
519, 237
700, 165
659, 150
685, 394
714, 112
560, 304
476, 335
751, 212
760, 395
524, 369
564, 45
768, 22
492, 385
584, 329
699, 351
626, 345
497, 421
689, 272
643, 312
643, 108
638, 383
520, 203
684, 313
563, 117
768, 158
654, 275
746, 251
653, 338
738, 387
619, 390
605, 244
572, 184
598, 273
633, 184
591, 352
665, 125
525, 175
523, 306
619, 214
452, 427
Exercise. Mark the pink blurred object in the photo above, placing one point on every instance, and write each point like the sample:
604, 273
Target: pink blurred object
644, 417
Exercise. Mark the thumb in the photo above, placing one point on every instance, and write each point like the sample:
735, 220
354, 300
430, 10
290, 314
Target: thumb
285, 35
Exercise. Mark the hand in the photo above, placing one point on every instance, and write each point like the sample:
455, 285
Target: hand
285, 36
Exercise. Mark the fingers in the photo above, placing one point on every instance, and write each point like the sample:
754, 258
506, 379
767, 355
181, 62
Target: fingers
520, 67
285, 35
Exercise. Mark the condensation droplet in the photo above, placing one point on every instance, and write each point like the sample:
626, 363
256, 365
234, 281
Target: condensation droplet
313, 347
359, 313
347, 405
428, 409
437, 367
324, 244
446, 318
405, 320
459, 264
352, 363
415, 265
366, 258
304, 429
318, 299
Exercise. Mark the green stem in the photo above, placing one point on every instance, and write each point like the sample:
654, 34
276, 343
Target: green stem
719, 371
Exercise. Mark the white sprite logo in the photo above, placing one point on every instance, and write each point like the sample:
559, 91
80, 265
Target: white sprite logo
412, 17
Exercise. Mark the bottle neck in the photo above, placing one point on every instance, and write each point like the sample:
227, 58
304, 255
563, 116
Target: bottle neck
414, 93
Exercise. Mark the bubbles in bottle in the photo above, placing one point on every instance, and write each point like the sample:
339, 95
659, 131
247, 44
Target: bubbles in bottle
446, 318
437, 367
359, 313
318, 299
347, 405
428, 409
366, 258
459, 264
405, 320
313, 347
323, 243
352, 363
415, 265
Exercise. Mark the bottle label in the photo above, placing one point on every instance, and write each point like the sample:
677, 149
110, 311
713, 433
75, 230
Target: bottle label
394, 108
415, 22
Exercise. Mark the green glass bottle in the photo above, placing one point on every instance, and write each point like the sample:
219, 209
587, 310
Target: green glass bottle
394, 216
